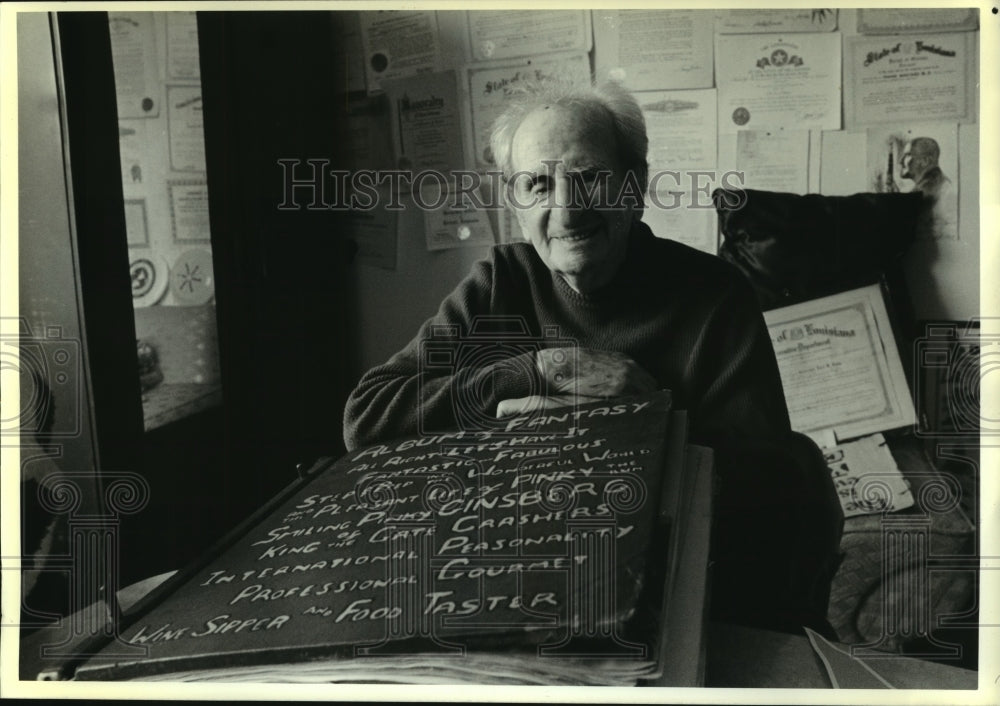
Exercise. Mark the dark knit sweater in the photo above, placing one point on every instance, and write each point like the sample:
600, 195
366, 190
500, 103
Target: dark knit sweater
691, 321
687, 318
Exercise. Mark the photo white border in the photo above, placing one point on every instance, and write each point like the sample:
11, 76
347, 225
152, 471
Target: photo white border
989, 680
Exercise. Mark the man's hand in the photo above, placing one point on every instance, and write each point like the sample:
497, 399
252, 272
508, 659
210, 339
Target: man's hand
580, 375
585, 372
534, 403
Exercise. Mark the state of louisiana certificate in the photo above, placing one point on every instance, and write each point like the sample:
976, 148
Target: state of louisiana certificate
839, 364
490, 86
900, 79
771, 81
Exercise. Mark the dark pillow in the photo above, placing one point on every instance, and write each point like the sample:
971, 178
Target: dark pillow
794, 248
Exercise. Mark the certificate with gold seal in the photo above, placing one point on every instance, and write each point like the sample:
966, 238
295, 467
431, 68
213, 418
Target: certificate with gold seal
769, 81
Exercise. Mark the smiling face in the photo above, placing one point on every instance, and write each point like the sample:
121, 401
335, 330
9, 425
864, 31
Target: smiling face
554, 149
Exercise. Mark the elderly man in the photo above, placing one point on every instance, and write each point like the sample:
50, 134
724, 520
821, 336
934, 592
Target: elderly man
645, 313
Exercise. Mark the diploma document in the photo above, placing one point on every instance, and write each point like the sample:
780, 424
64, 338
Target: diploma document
775, 161
760, 21
491, 85
650, 50
504, 34
133, 53
898, 79
426, 122
770, 81
839, 364
681, 128
398, 43
910, 19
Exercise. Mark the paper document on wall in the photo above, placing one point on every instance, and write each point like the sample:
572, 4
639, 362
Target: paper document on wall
503, 34
398, 43
185, 126
132, 145
839, 364
677, 215
189, 219
771, 81
866, 477
133, 53
898, 20
774, 160
491, 85
426, 123
903, 79
842, 167
182, 46
681, 129
136, 222
367, 137
648, 50
749, 21
452, 220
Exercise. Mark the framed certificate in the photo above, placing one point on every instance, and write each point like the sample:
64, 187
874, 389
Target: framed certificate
490, 86
730, 21
910, 19
503, 34
654, 49
772, 81
840, 366
926, 77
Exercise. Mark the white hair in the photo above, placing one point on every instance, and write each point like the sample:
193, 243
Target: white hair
610, 98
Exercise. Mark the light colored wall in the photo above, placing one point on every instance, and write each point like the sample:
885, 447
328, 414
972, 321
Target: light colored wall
943, 274
153, 151
391, 305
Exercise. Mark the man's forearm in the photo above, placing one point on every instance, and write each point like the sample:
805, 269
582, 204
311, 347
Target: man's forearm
391, 402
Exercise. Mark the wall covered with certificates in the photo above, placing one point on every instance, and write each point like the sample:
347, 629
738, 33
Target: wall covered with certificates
803, 101
162, 153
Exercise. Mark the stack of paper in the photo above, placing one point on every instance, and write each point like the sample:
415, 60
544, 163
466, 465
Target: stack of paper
866, 477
